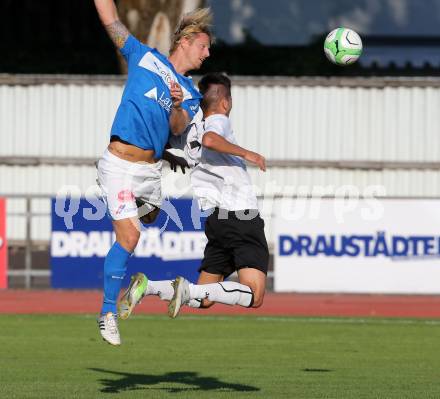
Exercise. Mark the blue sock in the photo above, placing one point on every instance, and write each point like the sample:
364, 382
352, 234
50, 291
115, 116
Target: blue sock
114, 272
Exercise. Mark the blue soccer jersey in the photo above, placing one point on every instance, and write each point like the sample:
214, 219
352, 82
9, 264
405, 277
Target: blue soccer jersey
143, 116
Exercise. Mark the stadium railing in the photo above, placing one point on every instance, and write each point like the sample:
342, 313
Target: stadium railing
29, 257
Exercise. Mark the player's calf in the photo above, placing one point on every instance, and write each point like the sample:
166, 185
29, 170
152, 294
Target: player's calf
255, 279
258, 291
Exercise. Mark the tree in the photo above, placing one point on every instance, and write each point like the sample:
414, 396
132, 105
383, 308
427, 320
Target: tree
154, 21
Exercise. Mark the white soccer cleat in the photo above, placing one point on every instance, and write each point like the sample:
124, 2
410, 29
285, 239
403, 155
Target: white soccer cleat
108, 327
181, 296
135, 292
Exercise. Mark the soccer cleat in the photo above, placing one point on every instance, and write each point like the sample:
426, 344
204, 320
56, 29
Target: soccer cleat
108, 326
135, 292
181, 296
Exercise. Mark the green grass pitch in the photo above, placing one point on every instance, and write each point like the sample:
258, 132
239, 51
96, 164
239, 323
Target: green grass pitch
219, 357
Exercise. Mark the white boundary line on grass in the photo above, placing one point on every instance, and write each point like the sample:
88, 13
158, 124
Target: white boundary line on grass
293, 319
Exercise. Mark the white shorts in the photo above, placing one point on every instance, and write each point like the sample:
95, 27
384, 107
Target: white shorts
122, 182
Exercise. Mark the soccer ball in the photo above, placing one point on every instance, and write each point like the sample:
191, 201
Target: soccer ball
343, 46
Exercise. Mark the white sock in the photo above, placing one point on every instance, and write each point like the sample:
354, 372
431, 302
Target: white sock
162, 288
227, 292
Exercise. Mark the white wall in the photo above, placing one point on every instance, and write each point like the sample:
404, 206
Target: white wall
284, 118
305, 120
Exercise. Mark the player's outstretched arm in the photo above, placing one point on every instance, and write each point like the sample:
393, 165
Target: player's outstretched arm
108, 15
215, 142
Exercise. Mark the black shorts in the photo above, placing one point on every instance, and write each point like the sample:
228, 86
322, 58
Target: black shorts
234, 243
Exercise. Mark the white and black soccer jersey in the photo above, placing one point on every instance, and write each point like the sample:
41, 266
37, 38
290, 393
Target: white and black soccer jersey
218, 180
191, 134
234, 229
193, 144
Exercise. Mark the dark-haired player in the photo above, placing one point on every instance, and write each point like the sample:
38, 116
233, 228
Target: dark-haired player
235, 231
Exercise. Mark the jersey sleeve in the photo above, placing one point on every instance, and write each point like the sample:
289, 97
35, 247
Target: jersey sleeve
217, 125
133, 45
191, 106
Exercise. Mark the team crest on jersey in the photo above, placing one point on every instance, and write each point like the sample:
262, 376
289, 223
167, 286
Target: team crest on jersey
152, 93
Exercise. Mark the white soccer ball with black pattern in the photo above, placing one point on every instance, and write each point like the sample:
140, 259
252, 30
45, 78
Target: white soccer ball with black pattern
343, 46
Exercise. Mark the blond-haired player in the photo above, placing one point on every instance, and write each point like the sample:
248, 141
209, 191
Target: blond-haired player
158, 98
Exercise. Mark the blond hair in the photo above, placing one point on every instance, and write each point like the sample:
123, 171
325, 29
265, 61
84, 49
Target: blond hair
198, 21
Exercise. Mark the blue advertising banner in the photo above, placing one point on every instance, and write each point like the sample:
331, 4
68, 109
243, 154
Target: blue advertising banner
82, 235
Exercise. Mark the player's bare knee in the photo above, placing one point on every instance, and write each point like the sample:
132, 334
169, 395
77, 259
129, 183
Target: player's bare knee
129, 240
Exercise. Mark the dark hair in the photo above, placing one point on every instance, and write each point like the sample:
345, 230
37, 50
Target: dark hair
214, 78
214, 87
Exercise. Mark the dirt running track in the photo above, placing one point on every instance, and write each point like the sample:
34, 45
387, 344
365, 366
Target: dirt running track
22, 301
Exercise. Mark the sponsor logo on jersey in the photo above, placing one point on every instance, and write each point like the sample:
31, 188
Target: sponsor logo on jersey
152, 63
165, 102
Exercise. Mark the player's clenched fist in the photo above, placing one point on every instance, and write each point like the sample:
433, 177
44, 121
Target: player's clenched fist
176, 94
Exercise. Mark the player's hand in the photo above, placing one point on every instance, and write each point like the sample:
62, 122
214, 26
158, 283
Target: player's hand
176, 94
256, 159
175, 161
